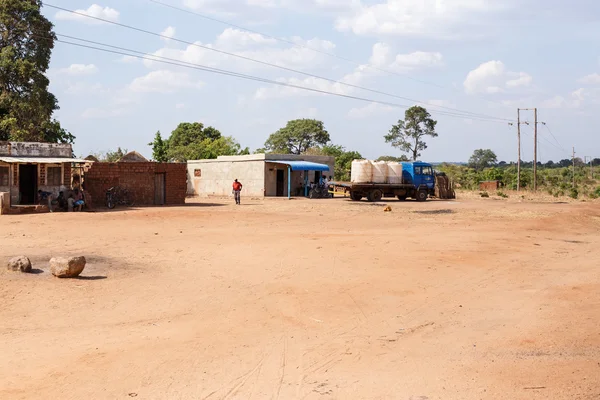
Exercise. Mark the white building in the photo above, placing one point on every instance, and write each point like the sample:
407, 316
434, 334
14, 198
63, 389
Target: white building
283, 175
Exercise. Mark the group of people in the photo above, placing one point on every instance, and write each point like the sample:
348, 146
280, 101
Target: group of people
73, 202
237, 187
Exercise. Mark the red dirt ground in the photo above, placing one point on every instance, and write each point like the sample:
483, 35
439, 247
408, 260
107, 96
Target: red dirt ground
301, 299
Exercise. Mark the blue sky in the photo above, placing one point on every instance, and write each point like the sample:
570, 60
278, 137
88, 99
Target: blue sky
473, 56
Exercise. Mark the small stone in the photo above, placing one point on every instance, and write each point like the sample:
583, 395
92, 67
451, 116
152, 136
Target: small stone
71, 267
20, 263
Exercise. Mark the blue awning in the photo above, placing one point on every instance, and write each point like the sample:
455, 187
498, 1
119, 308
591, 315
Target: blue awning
302, 165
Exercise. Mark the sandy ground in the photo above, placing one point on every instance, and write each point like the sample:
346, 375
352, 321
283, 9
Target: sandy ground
306, 299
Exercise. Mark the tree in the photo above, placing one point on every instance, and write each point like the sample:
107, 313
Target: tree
402, 158
482, 158
159, 148
26, 105
192, 141
343, 159
297, 137
110, 156
565, 162
408, 135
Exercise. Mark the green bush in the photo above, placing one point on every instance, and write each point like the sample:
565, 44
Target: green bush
502, 194
574, 193
484, 194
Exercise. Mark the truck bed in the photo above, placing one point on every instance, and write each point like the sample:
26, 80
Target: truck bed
350, 185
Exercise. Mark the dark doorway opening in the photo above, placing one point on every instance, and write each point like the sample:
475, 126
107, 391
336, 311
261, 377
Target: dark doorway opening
160, 189
317, 177
28, 176
280, 176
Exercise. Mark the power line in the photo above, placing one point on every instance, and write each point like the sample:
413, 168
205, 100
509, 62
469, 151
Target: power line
555, 139
283, 40
467, 113
170, 61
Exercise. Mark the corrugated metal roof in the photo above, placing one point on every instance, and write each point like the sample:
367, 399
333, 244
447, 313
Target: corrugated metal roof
302, 165
42, 160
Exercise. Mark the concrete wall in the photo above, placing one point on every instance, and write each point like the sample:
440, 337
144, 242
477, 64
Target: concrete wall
139, 179
215, 177
35, 149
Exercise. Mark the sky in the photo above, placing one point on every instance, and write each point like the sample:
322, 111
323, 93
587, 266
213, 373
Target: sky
471, 63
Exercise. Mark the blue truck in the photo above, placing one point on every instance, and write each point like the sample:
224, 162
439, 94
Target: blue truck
419, 181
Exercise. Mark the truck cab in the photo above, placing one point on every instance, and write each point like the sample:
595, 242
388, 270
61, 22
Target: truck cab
420, 175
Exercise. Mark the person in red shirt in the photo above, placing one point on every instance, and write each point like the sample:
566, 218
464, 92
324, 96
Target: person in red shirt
237, 188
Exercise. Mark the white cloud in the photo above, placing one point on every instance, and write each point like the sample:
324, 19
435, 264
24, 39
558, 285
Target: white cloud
169, 33
232, 38
432, 18
575, 99
179, 106
381, 58
163, 81
251, 46
94, 10
370, 110
592, 79
79, 69
493, 77
128, 59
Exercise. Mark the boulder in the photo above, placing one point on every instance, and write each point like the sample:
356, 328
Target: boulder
20, 263
71, 267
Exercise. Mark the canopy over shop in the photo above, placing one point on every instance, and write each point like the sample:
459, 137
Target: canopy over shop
301, 166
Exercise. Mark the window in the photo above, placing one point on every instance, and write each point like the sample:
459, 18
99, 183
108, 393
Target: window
427, 171
197, 173
4, 176
417, 170
53, 175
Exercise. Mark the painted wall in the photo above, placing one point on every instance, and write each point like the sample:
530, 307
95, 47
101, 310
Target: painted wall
215, 177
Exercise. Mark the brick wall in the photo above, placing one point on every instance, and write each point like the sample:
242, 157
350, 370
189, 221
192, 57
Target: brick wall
138, 178
489, 185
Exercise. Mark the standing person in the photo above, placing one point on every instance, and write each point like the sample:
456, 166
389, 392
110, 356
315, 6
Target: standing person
237, 188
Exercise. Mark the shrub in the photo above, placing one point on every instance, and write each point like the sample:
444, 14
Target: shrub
502, 194
574, 193
484, 194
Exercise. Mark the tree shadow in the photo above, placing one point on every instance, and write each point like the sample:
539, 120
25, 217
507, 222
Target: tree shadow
434, 212
90, 278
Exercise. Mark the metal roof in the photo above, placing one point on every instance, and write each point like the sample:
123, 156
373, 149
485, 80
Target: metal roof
302, 165
42, 160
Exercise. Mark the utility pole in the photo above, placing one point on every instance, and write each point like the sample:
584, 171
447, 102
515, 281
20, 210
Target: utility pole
585, 160
519, 159
573, 167
535, 124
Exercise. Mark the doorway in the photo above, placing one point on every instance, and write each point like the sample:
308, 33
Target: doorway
160, 189
280, 180
28, 177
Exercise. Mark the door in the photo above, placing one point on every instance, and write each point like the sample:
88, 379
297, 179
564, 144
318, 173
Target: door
28, 174
160, 189
280, 181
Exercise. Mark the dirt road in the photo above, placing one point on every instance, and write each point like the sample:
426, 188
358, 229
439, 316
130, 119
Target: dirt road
301, 299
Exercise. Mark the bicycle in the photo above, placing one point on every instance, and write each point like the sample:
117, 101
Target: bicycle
117, 195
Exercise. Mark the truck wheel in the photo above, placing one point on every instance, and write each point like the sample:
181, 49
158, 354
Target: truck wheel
355, 196
421, 195
375, 195
402, 198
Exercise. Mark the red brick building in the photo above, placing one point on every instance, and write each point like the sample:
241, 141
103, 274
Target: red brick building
150, 183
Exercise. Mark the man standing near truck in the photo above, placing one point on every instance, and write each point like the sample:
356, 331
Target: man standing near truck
237, 188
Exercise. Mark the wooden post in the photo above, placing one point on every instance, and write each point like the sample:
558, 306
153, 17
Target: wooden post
519, 157
535, 123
